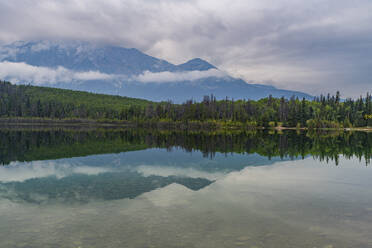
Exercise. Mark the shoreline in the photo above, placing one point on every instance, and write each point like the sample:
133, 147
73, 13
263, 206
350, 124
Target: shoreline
348, 129
6, 122
88, 123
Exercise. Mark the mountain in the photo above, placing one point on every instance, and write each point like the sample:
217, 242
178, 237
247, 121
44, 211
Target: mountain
82, 56
196, 64
121, 71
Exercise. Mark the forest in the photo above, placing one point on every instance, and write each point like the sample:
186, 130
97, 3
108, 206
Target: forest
330, 111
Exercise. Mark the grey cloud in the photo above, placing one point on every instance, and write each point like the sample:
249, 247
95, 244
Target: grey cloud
315, 46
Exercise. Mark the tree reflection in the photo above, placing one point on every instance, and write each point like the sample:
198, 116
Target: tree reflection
29, 145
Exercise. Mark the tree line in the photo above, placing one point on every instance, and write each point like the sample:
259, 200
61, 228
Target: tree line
328, 111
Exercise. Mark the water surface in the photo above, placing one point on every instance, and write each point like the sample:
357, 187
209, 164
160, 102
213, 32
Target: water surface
136, 188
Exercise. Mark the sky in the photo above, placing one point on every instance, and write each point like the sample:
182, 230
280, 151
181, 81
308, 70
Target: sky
315, 46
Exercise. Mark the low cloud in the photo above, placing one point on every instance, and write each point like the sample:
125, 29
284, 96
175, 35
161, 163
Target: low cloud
44, 45
166, 171
166, 77
93, 75
25, 73
20, 172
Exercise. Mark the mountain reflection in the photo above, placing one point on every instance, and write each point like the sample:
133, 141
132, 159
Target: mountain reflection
115, 176
79, 166
81, 188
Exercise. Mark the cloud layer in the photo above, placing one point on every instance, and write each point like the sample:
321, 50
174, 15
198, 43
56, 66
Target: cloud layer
20, 172
315, 46
166, 77
24, 73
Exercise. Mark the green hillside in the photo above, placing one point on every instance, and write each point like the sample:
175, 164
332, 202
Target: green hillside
79, 98
46, 102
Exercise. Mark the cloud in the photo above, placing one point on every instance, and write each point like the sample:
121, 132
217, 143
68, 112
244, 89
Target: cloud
44, 45
314, 46
92, 75
24, 73
20, 172
166, 171
21, 72
166, 77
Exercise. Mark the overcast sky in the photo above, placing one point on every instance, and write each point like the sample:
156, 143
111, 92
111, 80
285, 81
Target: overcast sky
316, 46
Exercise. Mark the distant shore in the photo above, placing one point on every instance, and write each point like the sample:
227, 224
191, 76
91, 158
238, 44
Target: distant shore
365, 129
43, 122
60, 122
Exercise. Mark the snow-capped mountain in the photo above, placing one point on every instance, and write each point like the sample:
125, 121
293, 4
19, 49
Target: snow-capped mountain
127, 72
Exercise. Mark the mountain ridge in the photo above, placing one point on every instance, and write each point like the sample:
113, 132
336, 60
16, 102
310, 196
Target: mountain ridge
123, 71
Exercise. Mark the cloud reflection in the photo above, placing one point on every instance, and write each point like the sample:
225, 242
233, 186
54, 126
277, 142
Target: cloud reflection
20, 172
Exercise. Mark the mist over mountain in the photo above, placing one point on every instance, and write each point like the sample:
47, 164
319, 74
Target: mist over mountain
121, 71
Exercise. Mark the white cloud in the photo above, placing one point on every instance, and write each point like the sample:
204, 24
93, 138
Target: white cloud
171, 195
166, 77
165, 171
24, 73
92, 75
20, 172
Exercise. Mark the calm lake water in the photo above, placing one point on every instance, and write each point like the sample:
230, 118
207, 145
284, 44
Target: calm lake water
140, 188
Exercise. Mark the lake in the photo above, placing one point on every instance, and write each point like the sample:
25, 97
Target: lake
147, 188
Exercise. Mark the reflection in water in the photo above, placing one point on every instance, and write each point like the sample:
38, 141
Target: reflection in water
26, 145
291, 204
85, 188
118, 176
160, 189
